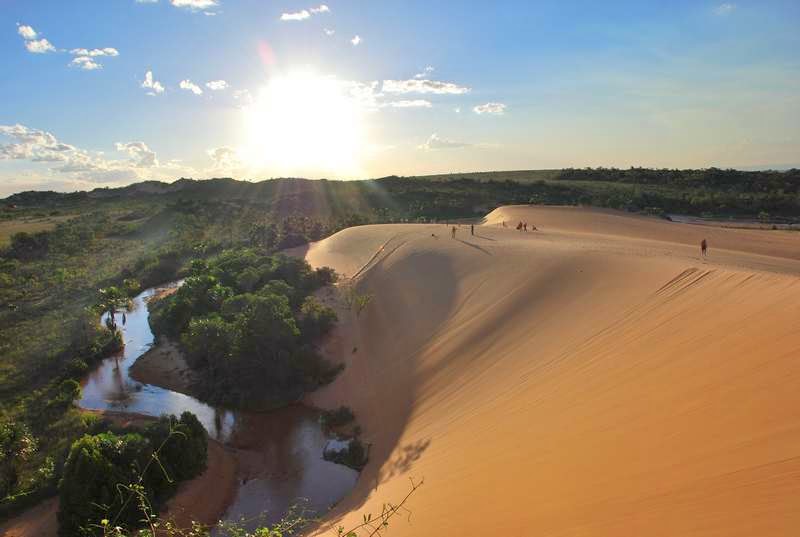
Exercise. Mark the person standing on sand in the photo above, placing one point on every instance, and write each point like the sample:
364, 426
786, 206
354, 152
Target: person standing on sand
454, 232
472, 229
704, 248
525, 227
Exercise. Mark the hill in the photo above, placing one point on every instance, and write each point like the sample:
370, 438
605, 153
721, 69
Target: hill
593, 378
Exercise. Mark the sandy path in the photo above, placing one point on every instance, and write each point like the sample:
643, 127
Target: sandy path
593, 378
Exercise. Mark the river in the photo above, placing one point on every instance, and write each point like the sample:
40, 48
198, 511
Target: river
279, 452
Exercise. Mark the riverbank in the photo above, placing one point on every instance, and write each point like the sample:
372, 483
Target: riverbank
164, 366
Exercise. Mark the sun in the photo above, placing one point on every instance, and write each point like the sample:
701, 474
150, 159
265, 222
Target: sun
304, 124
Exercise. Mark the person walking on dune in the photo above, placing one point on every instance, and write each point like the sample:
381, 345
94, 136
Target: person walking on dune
704, 248
453, 232
525, 227
472, 229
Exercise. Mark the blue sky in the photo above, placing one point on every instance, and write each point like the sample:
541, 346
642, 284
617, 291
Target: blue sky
427, 87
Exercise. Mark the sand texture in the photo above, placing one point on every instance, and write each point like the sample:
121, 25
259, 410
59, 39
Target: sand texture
593, 378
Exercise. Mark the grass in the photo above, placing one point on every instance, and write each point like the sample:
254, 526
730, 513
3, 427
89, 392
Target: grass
28, 224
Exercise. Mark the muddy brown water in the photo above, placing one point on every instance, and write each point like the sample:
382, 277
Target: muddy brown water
280, 452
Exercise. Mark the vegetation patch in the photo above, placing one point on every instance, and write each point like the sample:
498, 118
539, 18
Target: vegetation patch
248, 324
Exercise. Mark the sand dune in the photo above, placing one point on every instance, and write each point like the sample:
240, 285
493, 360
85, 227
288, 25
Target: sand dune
593, 378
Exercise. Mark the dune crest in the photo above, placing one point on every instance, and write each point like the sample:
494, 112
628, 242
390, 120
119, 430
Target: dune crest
592, 378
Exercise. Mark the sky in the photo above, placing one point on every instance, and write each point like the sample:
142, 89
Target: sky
109, 92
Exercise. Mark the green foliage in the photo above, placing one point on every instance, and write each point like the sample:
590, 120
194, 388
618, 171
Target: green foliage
336, 418
95, 470
110, 473
247, 324
316, 320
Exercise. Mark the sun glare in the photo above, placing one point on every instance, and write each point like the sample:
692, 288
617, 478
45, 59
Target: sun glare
304, 124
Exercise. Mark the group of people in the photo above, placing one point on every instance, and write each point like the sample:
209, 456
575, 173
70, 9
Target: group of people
523, 226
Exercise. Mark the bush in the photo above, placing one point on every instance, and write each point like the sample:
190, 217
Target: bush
101, 469
316, 320
97, 469
336, 418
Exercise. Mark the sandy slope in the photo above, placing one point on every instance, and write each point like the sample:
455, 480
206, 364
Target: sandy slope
593, 378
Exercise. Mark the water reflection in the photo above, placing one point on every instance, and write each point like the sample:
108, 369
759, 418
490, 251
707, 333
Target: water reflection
279, 452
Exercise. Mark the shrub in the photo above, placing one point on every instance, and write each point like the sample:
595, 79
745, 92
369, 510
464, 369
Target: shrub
96, 469
336, 418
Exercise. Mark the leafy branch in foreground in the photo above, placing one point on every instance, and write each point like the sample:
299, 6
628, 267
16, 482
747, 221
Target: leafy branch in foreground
372, 526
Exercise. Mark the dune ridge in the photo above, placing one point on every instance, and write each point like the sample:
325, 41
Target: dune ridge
592, 378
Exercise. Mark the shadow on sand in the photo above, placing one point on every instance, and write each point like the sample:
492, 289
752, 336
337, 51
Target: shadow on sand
483, 250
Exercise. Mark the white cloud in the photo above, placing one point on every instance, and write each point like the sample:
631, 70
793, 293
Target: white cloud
329, 32
141, 155
86, 63
423, 86
149, 83
356, 41
195, 5
39, 46
435, 142
26, 31
191, 86
497, 109
72, 165
146, 1
95, 52
304, 14
416, 103
457, 110
217, 85
425, 72
724, 9
224, 157
296, 16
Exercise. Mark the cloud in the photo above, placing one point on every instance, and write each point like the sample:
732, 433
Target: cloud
141, 155
191, 86
39, 46
425, 72
26, 31
146, 1
224, 157
497, 109
724, 9
36, 46
416, 103
304, 14
71, 165
109, 51
457, 110
86, 63
217, 85
149, 83
436, 142
195, 5
356, 40
423, 86
329, 32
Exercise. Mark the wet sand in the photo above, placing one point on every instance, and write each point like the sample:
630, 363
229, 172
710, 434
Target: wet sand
164, 366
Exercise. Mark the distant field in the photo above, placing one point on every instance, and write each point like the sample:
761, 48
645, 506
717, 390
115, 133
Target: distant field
28, 225
520, 176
